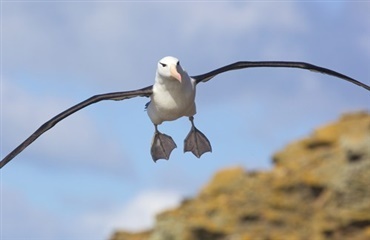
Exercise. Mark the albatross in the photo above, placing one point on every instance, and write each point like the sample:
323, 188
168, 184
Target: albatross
172, 96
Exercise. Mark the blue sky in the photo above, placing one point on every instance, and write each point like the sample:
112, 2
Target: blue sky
92, 173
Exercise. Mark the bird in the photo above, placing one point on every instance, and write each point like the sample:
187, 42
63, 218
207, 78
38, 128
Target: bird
172, 96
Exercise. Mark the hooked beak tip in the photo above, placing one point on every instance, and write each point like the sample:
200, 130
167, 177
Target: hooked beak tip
175, 73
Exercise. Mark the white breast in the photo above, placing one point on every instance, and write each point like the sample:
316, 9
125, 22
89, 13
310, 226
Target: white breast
171, 100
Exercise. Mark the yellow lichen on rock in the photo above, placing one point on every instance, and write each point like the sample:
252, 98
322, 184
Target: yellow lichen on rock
318, 189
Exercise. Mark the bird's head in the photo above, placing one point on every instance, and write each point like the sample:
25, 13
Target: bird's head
169, 68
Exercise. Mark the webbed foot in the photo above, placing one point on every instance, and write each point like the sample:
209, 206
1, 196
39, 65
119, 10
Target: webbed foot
196, 142
162, 146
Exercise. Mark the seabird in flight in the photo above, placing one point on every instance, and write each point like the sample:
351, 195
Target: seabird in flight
171, 97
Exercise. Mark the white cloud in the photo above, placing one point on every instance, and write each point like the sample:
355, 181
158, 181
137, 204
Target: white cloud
105, 43
68, 144
240, 19
137, 214
88, 40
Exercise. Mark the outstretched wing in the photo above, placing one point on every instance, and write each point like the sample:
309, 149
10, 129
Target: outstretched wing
117, 96
281, 64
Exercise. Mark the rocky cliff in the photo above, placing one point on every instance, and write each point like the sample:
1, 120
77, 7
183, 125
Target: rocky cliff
319, 188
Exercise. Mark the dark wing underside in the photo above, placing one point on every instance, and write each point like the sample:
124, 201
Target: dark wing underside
147, 91
279, 64
117, 96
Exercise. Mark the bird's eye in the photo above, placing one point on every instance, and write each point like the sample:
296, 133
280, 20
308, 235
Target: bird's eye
163, 65
178, 63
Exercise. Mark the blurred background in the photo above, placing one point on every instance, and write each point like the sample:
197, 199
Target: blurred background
92, 173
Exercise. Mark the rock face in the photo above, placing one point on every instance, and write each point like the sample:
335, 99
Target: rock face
319, 188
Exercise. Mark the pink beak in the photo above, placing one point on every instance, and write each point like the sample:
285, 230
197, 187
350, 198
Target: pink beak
175, 73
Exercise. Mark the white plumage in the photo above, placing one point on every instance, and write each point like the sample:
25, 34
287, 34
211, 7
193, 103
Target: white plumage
173, 93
